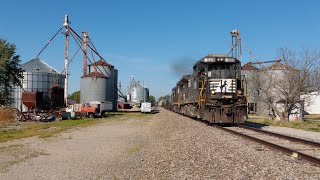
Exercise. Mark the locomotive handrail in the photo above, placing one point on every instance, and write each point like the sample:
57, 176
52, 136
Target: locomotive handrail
179, 98
201, 99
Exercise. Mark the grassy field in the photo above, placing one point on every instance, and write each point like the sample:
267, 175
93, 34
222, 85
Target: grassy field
49, 129
312, 116
309, 126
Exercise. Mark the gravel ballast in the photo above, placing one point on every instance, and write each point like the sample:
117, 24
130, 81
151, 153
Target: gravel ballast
160, 146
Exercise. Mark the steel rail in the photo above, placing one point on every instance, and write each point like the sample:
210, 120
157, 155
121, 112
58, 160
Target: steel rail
288, 151
291, 152
304, 141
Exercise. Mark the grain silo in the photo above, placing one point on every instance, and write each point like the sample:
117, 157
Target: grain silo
251, 73
111, 73
42, 79
138, 92
93, 87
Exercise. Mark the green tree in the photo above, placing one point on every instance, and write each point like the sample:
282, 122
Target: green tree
76, 96
152, 100
10, 71
163, 97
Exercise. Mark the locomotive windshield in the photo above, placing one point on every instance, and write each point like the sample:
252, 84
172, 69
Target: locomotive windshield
224, 71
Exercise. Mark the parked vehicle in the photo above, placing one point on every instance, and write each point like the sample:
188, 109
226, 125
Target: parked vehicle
91, 110
101, 107
145, 107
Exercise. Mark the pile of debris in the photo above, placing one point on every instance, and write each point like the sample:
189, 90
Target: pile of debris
8, 115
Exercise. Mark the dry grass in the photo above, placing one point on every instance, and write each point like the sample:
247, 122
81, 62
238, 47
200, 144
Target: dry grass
15, 154
7, 115
312, 116
309, 126
49, 129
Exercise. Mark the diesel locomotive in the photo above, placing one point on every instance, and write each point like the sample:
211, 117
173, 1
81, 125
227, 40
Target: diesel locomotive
214, 92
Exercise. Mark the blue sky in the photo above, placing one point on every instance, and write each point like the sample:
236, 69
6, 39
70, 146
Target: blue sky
145, 38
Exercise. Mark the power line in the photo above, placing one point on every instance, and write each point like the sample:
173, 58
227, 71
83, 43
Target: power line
49, 42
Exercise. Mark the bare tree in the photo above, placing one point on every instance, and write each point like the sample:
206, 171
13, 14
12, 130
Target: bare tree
281, 85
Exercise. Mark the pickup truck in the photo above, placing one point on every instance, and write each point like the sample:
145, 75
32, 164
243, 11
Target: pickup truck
92, 109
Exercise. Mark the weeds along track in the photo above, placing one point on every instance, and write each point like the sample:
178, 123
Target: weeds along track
295, 147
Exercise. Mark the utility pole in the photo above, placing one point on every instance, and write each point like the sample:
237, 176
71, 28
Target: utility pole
85, 37
66, 59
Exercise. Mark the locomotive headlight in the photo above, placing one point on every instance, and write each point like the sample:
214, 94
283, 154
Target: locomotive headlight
220, 59
209, 59
213, 92
229, 59
239, 92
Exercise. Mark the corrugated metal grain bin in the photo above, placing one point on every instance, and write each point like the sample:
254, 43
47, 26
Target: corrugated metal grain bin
93, 87
102, 67
138, 92
112, 81
38, 77
113, 97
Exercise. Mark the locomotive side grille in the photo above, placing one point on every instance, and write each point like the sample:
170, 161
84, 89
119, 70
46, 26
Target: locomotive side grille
228, 85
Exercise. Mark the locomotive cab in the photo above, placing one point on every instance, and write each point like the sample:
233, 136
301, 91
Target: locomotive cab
223, 79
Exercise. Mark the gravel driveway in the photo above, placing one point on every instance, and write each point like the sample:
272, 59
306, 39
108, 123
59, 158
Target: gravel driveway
160, 146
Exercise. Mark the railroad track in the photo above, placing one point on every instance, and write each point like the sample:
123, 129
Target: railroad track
295, 147
293, 152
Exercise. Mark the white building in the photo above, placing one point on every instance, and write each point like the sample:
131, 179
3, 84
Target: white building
311, 102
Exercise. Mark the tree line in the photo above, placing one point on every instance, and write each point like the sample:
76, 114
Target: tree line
10, 71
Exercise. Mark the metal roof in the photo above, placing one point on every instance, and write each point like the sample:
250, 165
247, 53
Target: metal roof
279, 66
37, 65
101, 62
95, 74
248, 66
214, 56
138, 83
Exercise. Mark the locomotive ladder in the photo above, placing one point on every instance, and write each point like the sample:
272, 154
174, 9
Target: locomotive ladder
202, 97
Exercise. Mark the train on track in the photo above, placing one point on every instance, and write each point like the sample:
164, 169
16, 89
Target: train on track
214, 92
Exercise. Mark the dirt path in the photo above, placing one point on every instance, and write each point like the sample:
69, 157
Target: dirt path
84, 153
159, 146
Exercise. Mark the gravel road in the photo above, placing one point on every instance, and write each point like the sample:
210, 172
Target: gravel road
160, 146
